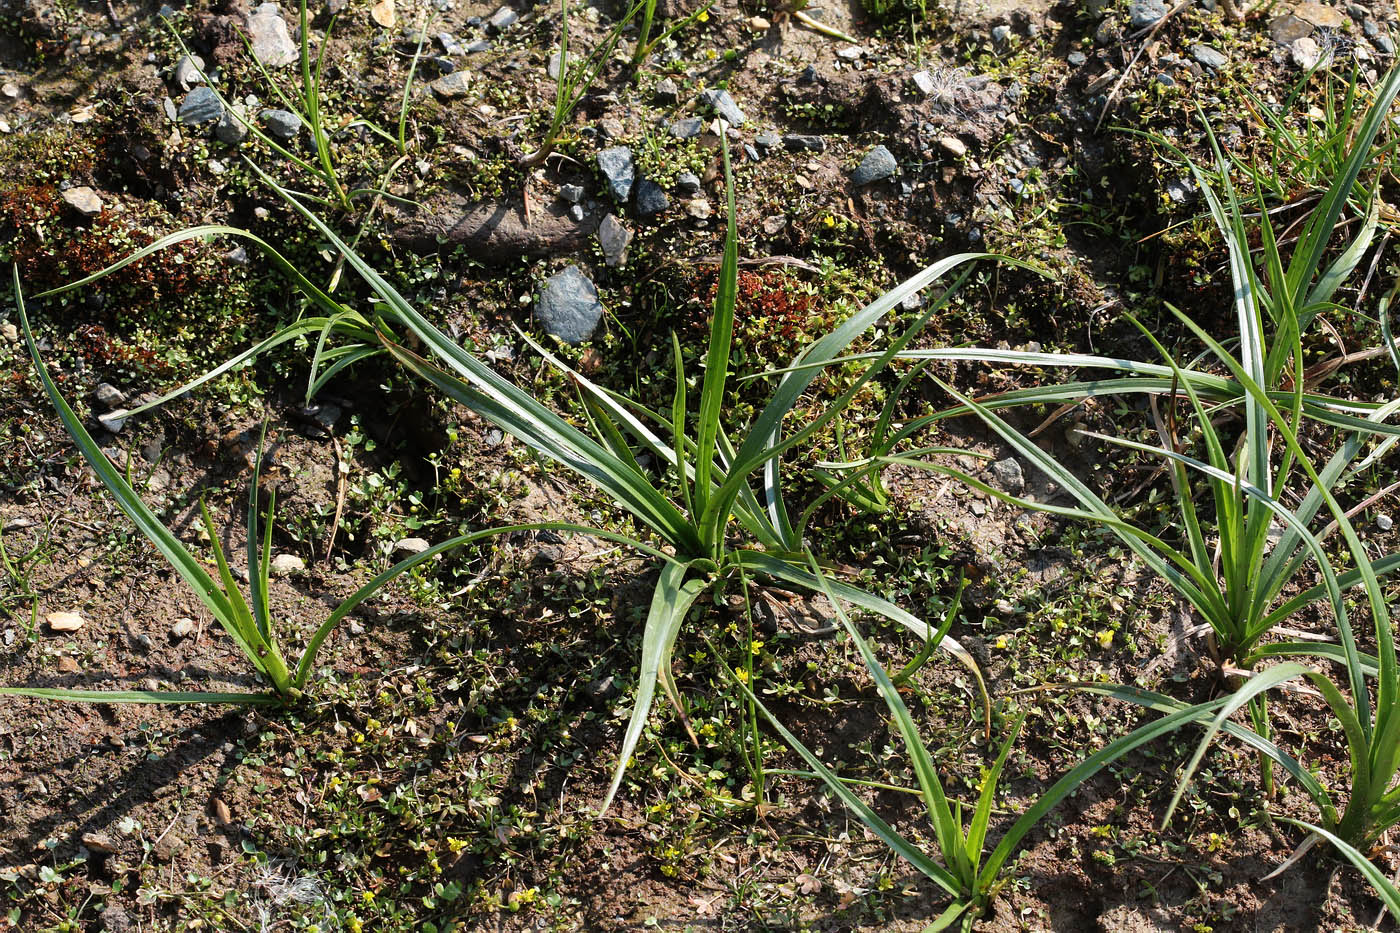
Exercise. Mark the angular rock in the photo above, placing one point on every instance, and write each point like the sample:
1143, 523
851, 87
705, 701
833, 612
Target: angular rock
953, 146
666, 92
651, 199
1321, 15
800, 142
689, 128
187, 72
114, 420
1144, 14
687, 184
83, 200
501, 20
281, 124
568, 306
1287, 29
1305, 53
231, 130
183, 628
114, 919
108, 395
407, 547
272, 42
454, 85
877, 165
64, 621
571, 193
614, 238
1209, 57
200, 106
721, 103
620, 171
1009, 475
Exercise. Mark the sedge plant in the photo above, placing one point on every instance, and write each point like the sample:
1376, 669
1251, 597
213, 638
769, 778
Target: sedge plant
711, 512
249, 621
965, 863
1236, 585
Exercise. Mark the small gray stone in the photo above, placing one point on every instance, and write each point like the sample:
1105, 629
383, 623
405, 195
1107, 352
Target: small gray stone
183, 628
1209, 57
501, 20
721, 103
1287, 29
800, 142
1181, 191
765, 141
1009, 476
850, 53
651, 199
1384, 522
689, 128
114, 420
1000, 34
618, 168
480, 45
576, 213
1144, 14
687, 184
187, 72
449, 43
878, 165
568, 306
83, 200
285, 564
1306, 53
1075, 59
924, 83
231, 130
454, 85
571, 193
200, 106
281, 124
272, 42
108, 395
407, 547
666, 92
603, 690
1384, 44
114, 919
614, 238
552, 69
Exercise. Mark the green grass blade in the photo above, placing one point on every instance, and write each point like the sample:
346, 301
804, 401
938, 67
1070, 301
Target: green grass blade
721, 340
947, 826
1382, 885
674, 594
886, 833
771, 566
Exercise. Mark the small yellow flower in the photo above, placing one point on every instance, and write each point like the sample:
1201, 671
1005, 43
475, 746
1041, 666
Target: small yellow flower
743, 675
829, 221
704, 17
1105, 637
1002, 642
367, 896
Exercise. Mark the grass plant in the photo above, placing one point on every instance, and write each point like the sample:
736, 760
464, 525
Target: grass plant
703, 511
